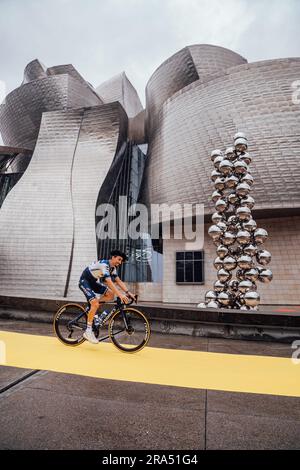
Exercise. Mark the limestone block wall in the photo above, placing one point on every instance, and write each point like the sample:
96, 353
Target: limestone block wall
283, 243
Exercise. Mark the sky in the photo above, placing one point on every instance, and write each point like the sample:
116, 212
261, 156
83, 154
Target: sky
102, 38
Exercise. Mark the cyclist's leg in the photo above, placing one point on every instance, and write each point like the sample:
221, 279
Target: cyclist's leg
91, 296
108, 296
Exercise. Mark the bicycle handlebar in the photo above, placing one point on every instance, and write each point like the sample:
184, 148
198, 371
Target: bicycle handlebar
128, 303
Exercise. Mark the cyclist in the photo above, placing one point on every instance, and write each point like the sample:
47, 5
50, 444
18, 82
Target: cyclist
97, 282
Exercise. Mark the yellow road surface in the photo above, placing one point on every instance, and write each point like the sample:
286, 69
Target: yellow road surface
180, 368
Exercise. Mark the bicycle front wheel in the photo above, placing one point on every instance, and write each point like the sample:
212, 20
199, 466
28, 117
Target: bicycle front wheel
129, 330
70, 323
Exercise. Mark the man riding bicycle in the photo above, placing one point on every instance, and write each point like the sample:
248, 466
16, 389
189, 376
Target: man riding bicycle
97, 282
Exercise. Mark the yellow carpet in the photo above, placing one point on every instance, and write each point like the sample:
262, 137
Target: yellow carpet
180, 368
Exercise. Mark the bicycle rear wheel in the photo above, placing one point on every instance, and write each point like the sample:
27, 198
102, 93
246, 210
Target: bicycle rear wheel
70, 323
129, 330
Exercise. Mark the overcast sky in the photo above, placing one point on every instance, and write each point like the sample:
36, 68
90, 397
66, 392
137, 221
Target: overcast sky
104, 37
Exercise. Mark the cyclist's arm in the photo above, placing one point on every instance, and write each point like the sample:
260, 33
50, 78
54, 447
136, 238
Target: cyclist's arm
116, 291
123, 286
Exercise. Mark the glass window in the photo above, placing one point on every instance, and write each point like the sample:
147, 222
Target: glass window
190, 267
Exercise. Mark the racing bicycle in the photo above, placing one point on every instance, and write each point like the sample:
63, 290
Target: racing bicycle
128, 327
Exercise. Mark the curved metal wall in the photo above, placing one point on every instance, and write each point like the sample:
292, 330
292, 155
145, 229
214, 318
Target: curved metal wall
102, 131
119, 88
33, 71
21, 112
212, 60
255, 98
190, 64
47, 221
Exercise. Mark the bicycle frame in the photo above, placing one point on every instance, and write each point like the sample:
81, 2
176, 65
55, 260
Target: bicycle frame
72, 323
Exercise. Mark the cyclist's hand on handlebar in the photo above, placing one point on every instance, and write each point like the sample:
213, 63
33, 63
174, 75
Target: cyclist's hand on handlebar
124, 299
131, 295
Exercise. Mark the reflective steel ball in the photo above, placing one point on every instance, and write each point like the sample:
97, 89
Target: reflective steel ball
250, 225
225, 167
263, 257
242, 189
231, 181
241, 144
239, 135
222, 225
213, 304
216, 153
217, 217
245, 286
265, 276
251, 274
229, 153
228, 238
224, 298
222, 251
229, 263
217, 162
252, 298
243, 213
240, 167
219, 286
247, 201
218, 263
247, 178
233, 198
250, 250
224, 275
220, 183
245, 157
216, 195
244, 262
215, 232
215, 174
210, 295
243, 237
221, 205
260, 235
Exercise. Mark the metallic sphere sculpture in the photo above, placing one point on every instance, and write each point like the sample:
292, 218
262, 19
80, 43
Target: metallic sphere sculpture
235, 233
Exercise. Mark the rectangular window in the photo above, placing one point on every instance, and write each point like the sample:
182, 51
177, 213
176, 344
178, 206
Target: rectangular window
190, 267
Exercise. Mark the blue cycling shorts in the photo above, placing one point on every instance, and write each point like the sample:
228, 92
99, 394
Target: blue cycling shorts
91, 288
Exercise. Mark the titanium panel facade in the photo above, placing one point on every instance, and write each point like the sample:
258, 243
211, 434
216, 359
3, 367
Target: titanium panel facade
120, 89
47, 221
21, 112
36, 219
102, 132
190, 64
35, 70
254, 98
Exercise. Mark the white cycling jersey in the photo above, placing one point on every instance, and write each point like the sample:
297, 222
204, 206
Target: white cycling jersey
102, 270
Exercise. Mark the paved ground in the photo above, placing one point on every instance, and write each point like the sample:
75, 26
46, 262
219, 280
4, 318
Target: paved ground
49, 410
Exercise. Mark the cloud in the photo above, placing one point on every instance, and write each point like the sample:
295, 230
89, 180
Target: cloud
104, 37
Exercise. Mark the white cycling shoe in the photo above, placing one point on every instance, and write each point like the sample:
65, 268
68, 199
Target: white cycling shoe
89, 335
